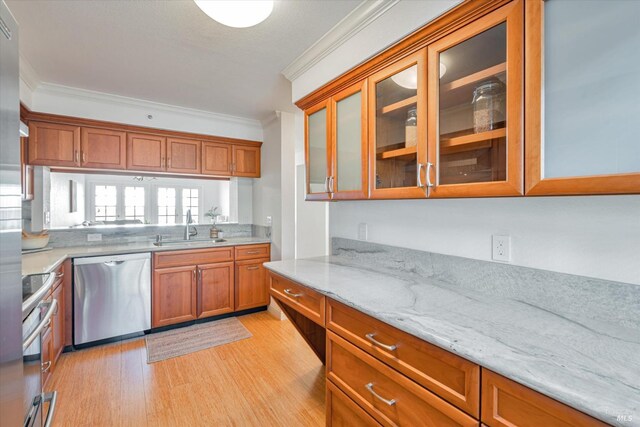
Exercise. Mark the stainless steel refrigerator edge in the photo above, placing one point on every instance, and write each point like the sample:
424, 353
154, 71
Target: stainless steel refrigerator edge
11, 381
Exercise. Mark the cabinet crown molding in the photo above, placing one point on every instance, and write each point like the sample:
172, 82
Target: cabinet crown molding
358, 19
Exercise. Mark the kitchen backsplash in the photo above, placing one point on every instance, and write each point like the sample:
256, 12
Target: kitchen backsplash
123, 235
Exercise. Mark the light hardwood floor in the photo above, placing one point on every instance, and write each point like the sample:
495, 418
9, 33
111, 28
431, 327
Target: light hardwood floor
271, 379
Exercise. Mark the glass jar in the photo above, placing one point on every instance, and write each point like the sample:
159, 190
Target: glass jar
489, 106
410, 128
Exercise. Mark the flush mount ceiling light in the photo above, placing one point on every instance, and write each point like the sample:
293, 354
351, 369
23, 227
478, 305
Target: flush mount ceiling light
237, 14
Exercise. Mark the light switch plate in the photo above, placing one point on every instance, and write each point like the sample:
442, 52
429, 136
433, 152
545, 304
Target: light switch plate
269, 221
501, 248
363, 231
94, 237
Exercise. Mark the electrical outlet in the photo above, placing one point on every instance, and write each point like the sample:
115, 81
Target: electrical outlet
269, 221
363, 231
501, 248
94, 237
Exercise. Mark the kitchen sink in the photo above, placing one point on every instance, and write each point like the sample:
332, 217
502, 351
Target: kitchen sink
189, 242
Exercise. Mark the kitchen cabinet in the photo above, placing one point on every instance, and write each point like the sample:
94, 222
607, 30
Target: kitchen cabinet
216, 159
215, 289
47, 357
58, 322
183, 156
198, 283
52, 144
344, 412
397, 111
475, 107
174, 293
103, 149
246, 161
26, 171
146, 152
582, 99
252, 289
336, 146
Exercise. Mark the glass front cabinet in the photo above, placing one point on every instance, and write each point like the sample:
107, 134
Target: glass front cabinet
447, 117
336, 146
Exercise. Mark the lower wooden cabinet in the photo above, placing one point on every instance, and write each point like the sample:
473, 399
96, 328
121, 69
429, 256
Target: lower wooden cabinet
252, 289
199, 283
215, 289
173, 297
47, 357
58, 322
344, 412
506, 403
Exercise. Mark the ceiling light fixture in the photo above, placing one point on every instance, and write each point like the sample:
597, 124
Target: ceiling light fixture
237, 14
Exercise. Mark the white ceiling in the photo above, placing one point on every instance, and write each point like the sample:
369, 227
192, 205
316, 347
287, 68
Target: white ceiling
171, 52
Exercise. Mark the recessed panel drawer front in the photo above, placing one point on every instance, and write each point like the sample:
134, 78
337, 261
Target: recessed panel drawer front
506, 403
449, 376
192, 257
344, 412
252, 252
390, 397
302, 299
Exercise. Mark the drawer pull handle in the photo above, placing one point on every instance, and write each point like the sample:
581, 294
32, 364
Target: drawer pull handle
46, 366
377, 396
371, 338
253, 268
252, 252
292, 294
59, 275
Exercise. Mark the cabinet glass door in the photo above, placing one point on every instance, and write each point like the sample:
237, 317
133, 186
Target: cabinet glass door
318, 151
350, 143
583, 97
475, 107
397, 134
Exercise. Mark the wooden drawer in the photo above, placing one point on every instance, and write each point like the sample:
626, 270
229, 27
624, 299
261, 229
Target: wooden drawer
253, 251
506, 403
449, 376
192, 257
344, 412
362, 377
302, 299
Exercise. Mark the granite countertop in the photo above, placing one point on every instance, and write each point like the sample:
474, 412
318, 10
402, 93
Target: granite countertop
586, 361
44, 262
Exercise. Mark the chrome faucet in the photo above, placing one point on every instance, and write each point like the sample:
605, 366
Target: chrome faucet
188, 233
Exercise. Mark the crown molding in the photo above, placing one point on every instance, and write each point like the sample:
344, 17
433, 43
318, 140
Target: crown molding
28, 74
358, 19
118, 100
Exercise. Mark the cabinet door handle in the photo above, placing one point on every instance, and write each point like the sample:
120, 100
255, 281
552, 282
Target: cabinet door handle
84, 157
252, 252
60, 275
292, 294
76, 154
371, 338
389, 402
331, 184
200, 276
253, 268
326, 184
195, 277
168, 164
419, 175
429, 167
46, 366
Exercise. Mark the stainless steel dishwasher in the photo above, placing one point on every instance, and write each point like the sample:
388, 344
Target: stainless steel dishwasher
111, 296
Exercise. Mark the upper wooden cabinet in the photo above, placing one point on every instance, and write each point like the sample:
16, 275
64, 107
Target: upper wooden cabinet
71, 143
146, 152
475, 107
336, 146
216, 159
246, 161
53, 144
103, 149
397, 128
582, 98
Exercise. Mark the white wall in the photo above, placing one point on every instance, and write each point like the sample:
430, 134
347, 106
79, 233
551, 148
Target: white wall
266, 191
591, 236
99, 106
288, 183
61, 215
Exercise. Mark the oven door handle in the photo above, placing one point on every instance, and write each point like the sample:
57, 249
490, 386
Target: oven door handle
51, 310
52, 398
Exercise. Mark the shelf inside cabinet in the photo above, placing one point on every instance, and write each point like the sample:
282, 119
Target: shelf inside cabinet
472, 141
460, 91
398, 105
391, 154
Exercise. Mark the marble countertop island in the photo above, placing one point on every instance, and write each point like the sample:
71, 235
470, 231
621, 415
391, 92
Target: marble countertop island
574, 339
44, 262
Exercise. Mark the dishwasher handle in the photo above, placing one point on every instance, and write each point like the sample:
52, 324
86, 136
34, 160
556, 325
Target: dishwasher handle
111, 259
112, 263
